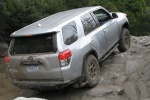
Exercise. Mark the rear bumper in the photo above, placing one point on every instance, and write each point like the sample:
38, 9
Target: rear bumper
41, 85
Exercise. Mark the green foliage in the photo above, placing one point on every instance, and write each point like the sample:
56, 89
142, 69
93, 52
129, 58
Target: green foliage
16, 14
148, 2
145, 24
109, 5
135, 9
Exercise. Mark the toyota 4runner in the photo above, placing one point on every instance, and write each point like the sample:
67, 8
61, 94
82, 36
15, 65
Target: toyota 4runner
65, 48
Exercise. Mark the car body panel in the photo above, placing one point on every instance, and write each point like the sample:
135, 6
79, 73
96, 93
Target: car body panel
74, 70
49, 67
112, 32
48, 71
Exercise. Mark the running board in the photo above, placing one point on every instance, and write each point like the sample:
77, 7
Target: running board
109, 53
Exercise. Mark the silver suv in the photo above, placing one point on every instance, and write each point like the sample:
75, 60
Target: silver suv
65, 48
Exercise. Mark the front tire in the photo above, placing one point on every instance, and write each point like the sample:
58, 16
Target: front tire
91, 71
124, 42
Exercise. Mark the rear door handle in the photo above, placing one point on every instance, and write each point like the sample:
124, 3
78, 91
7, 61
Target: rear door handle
105, 30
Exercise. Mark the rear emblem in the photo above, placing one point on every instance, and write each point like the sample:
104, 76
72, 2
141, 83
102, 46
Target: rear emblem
30, 58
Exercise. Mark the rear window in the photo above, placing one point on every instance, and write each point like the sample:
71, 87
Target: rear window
35, 44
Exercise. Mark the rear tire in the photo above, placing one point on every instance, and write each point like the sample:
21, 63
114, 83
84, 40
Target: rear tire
124, 42
91, 71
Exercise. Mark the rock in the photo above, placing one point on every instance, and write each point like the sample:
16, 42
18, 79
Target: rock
148, 84
102, 90
119, 59
83, 97
130, 91
23, 98
117, 78
3, 75
103, 80
99, 90
142, 89
3, 49
103, 99
116, 89
108, 98
2, 84
146, 99
121, 80
134, 65
118, 68
145, 78
124, 76
114, 75
134, 76
146, 71
2, 65
99, 98
147, 44
107, 61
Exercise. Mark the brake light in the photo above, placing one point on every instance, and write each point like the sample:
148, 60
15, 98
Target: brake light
65, 54
64, 57
6, 59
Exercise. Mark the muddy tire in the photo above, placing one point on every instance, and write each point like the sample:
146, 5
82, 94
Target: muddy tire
91, 71
124, 42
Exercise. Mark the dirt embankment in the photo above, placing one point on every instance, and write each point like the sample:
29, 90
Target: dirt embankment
7, 90
124, 76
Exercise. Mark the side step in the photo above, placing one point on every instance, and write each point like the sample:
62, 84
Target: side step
109, 53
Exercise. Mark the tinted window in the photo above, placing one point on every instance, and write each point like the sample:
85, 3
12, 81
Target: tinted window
89, 23
101, 15
69, 33
34, 44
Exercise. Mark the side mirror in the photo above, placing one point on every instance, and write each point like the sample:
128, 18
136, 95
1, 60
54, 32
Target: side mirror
114, 15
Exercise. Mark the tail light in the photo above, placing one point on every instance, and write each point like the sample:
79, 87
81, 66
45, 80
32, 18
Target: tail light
6, 59
64, 57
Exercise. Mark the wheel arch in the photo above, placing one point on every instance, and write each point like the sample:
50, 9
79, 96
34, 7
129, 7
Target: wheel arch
81, 82
126, 25
93, 52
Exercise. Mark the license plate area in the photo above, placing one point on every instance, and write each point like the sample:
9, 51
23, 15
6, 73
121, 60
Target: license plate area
32, 68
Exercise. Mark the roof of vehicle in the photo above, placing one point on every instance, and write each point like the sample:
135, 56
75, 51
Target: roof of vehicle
51, 22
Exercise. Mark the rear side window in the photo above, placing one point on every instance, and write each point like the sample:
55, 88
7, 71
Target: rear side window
35, 44
69, 33
89, 23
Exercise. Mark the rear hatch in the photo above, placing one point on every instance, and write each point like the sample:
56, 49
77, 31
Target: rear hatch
35, 58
